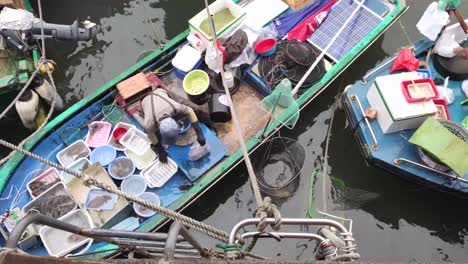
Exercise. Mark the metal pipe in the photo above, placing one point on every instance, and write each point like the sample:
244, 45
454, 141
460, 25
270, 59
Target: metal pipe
126, 234
283, 235
356, 98
174, 231
399, 160
290, 221
378, 68
153, 244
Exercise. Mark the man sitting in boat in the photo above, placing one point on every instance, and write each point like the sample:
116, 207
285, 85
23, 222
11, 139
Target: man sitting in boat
160, 113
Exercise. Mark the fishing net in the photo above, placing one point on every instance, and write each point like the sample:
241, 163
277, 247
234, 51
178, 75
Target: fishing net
70, 135
112, 113
280, 99
278, 163
291, 60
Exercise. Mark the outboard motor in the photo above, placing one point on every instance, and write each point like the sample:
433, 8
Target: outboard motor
21, 30
65, 32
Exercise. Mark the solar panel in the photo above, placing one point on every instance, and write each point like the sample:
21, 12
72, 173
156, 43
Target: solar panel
362, 23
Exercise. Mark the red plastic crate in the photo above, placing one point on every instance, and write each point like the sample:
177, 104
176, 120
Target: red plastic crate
443, 103
406, 93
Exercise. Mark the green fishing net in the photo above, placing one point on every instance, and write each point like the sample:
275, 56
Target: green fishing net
281, 101
112, 113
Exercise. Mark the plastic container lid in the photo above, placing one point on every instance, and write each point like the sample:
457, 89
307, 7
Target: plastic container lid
143, 211
116, 144
100, 200
39, 184
186, 58
98, 133
158, 173
134, 185
141, 161
136, 141
75, 151
57, 242
121, 168
103, 154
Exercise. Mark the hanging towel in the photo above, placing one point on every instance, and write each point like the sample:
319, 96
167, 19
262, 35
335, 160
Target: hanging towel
284, 24
303, 30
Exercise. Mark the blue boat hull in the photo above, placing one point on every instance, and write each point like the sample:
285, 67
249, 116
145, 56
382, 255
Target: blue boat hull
395, 146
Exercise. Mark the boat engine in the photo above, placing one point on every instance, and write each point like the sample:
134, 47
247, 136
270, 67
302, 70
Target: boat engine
21, 30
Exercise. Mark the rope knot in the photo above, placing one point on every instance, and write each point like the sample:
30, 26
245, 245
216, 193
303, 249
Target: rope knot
265, 210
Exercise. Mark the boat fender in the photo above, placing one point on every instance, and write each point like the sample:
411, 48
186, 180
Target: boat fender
30, 110
45, 90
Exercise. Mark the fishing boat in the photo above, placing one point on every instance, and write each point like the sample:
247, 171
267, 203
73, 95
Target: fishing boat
392, 149
192, 179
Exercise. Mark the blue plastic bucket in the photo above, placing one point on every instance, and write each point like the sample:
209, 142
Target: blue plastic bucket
103, 154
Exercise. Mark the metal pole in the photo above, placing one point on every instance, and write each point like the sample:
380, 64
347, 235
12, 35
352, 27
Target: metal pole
248, 163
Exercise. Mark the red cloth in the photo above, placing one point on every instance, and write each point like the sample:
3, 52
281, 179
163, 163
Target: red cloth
304, 29
405, 60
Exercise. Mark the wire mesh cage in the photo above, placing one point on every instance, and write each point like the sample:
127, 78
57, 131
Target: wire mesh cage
278, 163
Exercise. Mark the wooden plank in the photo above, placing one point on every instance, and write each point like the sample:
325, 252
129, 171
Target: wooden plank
78, 190
133, 85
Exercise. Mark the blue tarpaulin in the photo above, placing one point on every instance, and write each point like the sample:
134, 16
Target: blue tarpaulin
284, 24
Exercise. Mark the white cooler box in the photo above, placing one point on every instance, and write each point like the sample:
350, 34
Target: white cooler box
394, 113
238, 12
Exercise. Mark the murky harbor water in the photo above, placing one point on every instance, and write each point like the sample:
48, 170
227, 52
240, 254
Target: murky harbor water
394, 220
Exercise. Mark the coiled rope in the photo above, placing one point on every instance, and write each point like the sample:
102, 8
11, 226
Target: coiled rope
175, 216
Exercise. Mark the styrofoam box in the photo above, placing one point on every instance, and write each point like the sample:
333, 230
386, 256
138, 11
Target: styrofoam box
186, 58
57, 242
394, 113
237, 11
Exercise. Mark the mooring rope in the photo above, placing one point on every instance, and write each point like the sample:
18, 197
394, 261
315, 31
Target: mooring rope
175, 216
265, 208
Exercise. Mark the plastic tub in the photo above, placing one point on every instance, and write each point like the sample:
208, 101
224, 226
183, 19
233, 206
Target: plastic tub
100, 200
55, 202
195, 85
141, 161
442, 109
266, 47
114, 143
79, 166
143, 211
134, 185
181, 74
424, 90
136, 141
43, 182
72, 153
103, 154
57, 242
98, 133
158, 173
121, 168
119, 132
186, 125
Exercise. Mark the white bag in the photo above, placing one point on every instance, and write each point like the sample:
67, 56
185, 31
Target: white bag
464, 86
432, 21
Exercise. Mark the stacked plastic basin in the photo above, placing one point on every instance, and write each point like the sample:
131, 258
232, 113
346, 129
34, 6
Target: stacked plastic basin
186, 60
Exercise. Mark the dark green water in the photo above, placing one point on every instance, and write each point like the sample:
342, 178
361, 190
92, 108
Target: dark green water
394, 220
